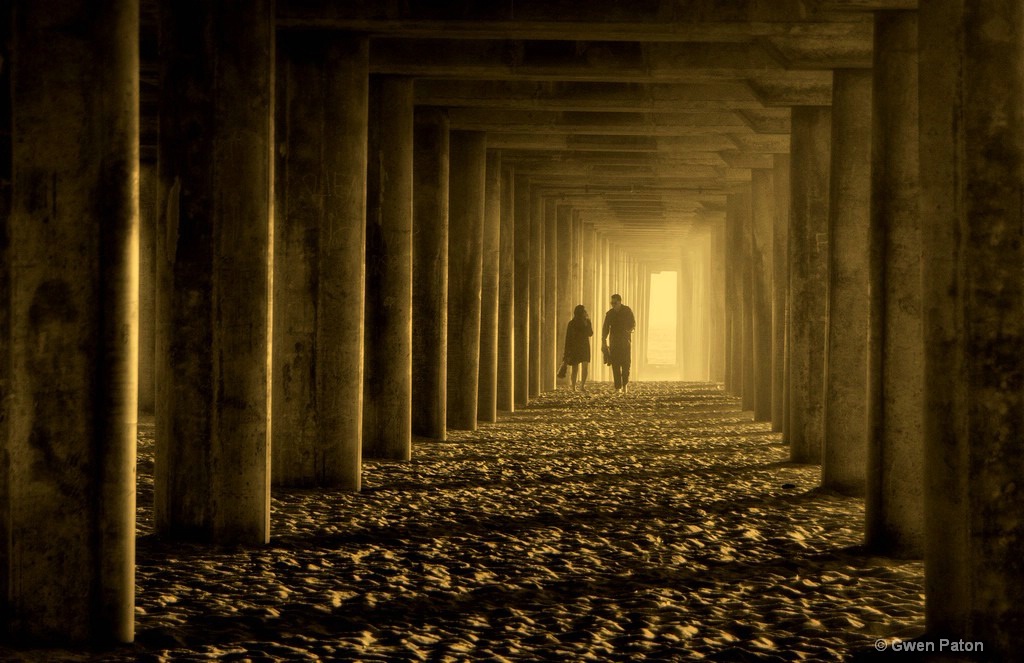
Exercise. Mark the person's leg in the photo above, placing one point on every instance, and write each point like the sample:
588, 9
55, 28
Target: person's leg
617, 376
572, 378
626, 364
584, 370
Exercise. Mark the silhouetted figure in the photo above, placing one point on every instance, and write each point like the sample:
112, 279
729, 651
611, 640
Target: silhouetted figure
616, 343
577, 345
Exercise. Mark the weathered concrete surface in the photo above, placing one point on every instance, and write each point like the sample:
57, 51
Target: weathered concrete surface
537, 287
895, 498
216, 131
430, 274
70, 379
505, 397
780, 293
320, 217
524, 321
845, 459
808, 271
487, 389
387, 329
549, 316
465, 254
762, 191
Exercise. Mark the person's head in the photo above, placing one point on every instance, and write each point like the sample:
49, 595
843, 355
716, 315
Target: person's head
580, 312
616, 301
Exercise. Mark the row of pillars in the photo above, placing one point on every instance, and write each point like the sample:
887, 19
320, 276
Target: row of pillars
875, 310
324, 271
917, 292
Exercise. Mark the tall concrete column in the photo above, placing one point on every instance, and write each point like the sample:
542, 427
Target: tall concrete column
718, 328
487, 383
71, 392
537, 285
972, 152
564, 275
147, 287
894, 510
747, 303
430, 273
320, 216
738, 229
590, 272
506, 293
844, 460
524, 320
549, 320
213, 248
387, 355
808, 272
762, 190
6, 177
465, 272
780, 291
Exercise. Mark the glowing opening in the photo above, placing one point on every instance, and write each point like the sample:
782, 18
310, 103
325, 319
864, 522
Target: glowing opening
661, 331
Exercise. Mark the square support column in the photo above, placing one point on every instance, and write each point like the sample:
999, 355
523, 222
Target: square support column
70, 378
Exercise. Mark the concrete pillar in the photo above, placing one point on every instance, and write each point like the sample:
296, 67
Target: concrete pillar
6, 176
565, 282
549, 319
844, 460
747, 303
972, 151
808, 265
387, 356
589, 274
762, 189
506, 293
738, 230
320, 216
718, 327
894, 509
780, 291
147, 287
487, 382
465, 271
537, 285
524, 322
430, 273
71, 392
213, 248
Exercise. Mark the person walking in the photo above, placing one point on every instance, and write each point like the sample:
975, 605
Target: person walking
577, 346
616, 341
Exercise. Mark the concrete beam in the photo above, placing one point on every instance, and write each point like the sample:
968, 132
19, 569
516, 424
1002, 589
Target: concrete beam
599, 124
699, 20
615, 158
584, 142
587, 96
774, 90
865, 5
627, 62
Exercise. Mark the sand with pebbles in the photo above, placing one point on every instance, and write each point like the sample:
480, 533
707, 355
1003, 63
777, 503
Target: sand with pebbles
662, 525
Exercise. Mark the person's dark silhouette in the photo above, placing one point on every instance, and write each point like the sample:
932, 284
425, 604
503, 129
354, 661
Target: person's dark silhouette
577, 345
616, 341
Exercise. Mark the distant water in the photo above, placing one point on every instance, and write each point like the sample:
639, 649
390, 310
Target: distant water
661, 346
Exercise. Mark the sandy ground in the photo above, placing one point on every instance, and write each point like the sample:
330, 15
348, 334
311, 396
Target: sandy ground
662, 525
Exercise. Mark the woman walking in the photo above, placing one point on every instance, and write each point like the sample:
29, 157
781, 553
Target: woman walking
577, 345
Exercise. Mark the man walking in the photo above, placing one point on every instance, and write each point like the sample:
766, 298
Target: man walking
616, 344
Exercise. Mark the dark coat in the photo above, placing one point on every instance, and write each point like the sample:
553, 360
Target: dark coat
618, 330
577, 341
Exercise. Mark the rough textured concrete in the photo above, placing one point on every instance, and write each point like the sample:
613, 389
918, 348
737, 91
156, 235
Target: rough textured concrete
505, 397
762, 191
467, 173
216, 130
387, 329
808, 269
70, 394
537, 287
895, 498
549, 317
780, 291
430, 274
565, 297
147, 287
844, 463
718, 326
320, 216
971, 161
487, 383
524, 322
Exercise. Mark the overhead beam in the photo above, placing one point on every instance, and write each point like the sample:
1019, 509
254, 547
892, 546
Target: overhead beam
587, 96
597, 123
626, 62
